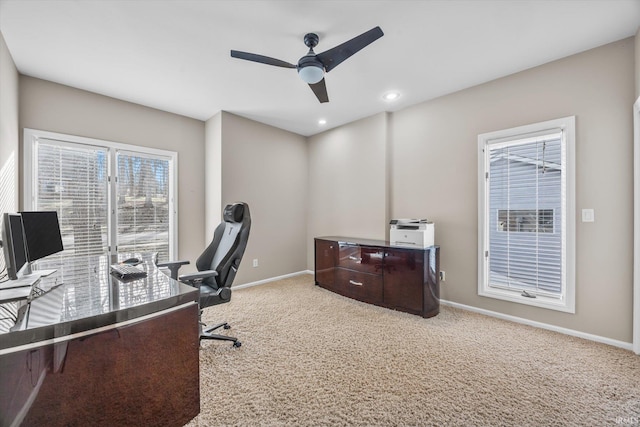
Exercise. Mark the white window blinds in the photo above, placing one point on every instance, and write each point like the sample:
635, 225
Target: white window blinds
526, 187
73, 180
143, 204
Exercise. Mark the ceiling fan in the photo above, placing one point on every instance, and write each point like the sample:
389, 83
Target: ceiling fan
312, 66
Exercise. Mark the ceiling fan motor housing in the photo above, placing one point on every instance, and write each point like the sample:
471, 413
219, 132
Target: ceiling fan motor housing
310, 69
311, 40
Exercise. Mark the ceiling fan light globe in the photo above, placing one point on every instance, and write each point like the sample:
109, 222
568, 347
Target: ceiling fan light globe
311, 74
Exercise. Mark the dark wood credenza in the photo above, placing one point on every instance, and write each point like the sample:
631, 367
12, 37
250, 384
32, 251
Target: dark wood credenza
373, 271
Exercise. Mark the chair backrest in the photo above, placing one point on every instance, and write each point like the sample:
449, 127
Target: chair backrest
225, 251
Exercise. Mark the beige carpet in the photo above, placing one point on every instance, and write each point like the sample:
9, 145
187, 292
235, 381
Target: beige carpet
313, 358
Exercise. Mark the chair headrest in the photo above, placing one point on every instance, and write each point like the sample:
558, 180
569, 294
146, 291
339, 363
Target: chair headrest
234, 212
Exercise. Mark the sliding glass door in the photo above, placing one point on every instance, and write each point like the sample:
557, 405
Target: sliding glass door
110, 197
143, 203
72, 179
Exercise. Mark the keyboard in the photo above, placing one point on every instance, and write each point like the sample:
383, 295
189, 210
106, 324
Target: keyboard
125, 271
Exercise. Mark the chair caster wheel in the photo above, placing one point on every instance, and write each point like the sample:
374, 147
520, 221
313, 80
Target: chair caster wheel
227, 326
237, 344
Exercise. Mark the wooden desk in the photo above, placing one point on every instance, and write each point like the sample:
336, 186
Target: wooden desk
375, 272
122, 353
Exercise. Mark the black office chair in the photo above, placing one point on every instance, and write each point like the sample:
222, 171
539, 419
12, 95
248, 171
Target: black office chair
218, 264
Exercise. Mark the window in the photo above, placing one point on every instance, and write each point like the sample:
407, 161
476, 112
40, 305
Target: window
143, 203
526, 214
72, 179
109, 197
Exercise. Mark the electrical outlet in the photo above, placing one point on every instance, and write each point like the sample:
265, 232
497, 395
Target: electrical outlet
442, 275
255, 262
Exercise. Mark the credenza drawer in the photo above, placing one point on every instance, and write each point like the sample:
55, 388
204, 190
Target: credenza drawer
359, 258
361, 286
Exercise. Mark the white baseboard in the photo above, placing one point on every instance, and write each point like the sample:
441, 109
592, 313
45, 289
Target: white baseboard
271, 279
566, 331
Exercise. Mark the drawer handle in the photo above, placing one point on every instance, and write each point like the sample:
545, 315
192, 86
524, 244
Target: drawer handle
356, 259
353, 282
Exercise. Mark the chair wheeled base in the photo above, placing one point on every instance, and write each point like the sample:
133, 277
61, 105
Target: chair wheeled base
205, 334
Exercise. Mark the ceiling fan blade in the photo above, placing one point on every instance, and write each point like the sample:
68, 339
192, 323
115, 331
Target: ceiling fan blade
333, 57
261, 58
320, 90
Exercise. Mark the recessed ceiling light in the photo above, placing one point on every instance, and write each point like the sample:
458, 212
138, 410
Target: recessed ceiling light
322, 122
391, 96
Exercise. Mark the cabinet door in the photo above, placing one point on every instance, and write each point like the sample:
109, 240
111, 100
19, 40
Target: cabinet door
367, 259
404, 279
325, 263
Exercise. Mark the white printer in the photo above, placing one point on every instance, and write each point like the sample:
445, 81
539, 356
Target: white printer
411, 233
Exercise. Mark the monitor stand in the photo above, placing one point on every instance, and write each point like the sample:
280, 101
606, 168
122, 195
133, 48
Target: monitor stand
26, 271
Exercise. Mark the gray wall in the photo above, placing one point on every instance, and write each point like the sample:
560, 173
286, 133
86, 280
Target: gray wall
431, 149
57, 108
266, 167
9, 139
348, 182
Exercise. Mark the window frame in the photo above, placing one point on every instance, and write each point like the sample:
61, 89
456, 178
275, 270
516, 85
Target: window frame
566, 301
31, 137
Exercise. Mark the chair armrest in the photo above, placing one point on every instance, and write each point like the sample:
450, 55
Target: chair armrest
173, 266
169, 263
199, 276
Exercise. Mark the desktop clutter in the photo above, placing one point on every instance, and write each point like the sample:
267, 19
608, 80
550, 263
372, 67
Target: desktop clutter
127, 270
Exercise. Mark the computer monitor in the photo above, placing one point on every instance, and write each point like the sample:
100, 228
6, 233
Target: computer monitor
41, 234
13, 244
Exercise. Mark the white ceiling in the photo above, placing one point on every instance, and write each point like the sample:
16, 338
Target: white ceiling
173, 55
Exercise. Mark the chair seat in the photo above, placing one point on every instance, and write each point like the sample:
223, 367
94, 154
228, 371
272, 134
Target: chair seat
207, 289
210, 295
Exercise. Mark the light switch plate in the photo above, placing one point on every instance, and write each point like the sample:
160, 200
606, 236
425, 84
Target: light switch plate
588, 215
